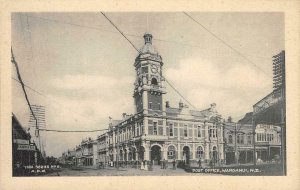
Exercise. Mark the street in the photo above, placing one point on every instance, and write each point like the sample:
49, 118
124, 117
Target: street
90, 171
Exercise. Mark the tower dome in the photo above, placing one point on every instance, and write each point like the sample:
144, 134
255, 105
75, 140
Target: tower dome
148, 47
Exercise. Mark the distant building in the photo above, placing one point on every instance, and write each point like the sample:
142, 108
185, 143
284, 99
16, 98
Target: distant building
102, 148
85, 154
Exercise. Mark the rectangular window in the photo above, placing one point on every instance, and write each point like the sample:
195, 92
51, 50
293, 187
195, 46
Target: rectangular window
249, 139
185, 131
144, 69
154, 128
150, 105
203, 131
137, 131
142, 129
159, 108
199, 131
171, 130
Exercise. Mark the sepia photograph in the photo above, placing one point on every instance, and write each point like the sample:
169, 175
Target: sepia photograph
148, 94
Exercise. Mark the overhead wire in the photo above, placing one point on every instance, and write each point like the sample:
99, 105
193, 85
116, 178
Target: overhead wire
110, 31
52, 99
120, 32
124, 35
225, 43
131, 35
22, 84
140, 52
72, 131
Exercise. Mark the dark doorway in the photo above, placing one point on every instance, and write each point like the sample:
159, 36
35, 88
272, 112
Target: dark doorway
230, 157
141, 153
156, 155
186, 154
215, 155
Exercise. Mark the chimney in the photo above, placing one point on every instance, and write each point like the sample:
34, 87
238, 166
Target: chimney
229, 120
167, 104
180, 104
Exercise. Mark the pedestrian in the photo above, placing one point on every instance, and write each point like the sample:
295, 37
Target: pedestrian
174, 164
210, 163
199, 163
17, 171
166, 165
162, 164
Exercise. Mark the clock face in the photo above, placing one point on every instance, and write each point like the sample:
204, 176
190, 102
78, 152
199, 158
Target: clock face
154, 68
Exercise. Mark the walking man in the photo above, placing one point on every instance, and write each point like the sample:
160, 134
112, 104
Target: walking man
174, 164
199, 163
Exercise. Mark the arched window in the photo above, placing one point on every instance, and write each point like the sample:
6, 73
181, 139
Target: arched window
199, 152
171, 152
230, 139
154, 81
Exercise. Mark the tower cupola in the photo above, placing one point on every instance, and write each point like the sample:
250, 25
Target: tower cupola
148, 38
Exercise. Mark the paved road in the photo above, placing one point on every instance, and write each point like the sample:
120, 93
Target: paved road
123, 172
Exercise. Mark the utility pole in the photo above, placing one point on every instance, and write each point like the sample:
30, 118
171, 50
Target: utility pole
254, 143
235, 145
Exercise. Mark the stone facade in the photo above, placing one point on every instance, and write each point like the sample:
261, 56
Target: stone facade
157, 131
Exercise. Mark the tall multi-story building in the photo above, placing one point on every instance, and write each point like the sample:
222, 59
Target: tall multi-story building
86, 153
239, 146
157, 131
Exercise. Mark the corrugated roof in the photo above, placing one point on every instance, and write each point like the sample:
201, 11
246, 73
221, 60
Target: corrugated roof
247, 119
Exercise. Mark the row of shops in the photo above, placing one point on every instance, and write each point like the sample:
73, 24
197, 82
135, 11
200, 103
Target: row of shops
24, 151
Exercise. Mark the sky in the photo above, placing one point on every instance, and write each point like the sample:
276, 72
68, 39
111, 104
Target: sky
84, 67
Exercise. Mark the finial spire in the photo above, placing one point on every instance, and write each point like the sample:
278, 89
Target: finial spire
147, 24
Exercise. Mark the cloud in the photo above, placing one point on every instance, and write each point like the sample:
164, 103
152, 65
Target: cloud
88, 82
234, 89
84, 102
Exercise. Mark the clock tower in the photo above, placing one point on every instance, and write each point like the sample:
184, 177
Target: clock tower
149, 87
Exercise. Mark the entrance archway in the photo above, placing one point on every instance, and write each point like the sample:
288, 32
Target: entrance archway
156, 154
186, 154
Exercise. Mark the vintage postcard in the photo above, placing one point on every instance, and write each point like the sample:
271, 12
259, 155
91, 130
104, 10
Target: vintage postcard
183, 93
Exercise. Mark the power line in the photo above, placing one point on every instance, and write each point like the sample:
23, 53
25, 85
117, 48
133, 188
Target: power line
109, 31
131, 35
30, 88
225, 43
140, 52
22, 84
179, 93
64, 131
120, 32
52, 99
